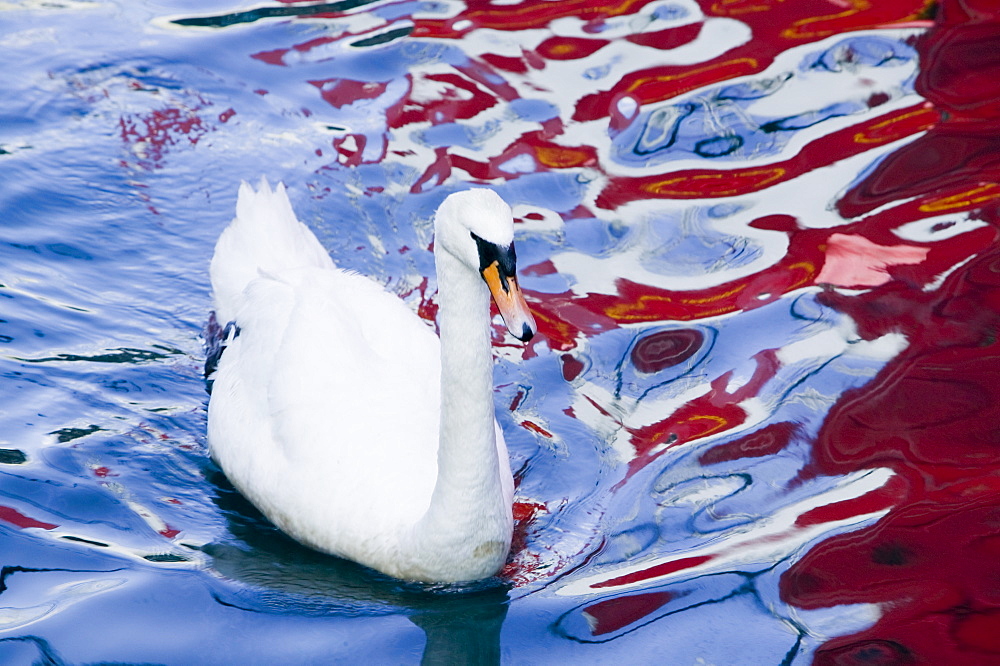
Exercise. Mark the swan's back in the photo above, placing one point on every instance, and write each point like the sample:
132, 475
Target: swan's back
325, 406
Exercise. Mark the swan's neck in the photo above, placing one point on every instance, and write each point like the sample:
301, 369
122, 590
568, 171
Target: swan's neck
465, 533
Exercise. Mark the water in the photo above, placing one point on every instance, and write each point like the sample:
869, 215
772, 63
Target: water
757, 426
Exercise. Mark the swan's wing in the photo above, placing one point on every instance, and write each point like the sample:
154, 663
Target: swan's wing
239, 429
354, 397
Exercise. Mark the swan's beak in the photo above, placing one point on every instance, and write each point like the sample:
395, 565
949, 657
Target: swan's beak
508, 297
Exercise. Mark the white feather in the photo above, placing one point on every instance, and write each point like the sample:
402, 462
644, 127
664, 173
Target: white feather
326, 407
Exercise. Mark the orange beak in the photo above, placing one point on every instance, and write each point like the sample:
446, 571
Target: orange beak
508, 297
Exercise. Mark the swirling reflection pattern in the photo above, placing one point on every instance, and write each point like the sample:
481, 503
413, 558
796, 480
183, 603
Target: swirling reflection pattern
758, 238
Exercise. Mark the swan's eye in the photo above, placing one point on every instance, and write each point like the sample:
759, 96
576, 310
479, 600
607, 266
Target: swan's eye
490, 253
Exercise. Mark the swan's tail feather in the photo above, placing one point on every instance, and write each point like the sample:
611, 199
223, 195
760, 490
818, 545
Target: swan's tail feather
264, 238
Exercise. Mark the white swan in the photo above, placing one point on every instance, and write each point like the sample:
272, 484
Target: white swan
339, 413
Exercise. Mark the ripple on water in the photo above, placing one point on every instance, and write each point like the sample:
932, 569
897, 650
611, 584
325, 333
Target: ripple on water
758, 245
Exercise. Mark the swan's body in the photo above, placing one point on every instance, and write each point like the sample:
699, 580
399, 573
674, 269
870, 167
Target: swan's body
340, 415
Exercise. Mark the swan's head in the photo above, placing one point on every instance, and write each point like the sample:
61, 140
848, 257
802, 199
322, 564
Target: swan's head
477, 228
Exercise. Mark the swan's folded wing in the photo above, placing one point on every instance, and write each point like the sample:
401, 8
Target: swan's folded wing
354, 395
239, 431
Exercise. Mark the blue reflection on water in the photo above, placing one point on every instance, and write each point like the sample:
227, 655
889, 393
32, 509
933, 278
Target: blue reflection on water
123, 142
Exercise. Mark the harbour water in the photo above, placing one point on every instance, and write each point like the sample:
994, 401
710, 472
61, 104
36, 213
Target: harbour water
757, 426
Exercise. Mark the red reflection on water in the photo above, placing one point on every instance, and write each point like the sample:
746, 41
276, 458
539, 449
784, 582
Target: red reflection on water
931, 415
569, 48
613, 614
15, 517
853, 260
957, 163
151, 135
522, 564
571, 367
950, 53
952, 161
880, 499
712, 413
933, 562
341, 92
765, 442
655, 571
671, 38
666, 349
459, 99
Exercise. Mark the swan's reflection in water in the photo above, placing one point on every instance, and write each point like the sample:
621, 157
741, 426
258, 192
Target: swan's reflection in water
460, 621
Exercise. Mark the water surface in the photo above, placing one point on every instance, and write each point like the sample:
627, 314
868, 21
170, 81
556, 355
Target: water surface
758, 426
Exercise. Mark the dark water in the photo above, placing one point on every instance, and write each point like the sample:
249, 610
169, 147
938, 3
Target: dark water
759, 426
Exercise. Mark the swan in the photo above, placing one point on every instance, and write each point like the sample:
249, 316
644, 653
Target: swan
341, 415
